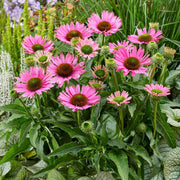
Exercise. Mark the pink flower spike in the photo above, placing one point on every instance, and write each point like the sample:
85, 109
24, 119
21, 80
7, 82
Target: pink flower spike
108, 23
33, 82
119, 98
32, 44
66, 32
87, 48
157, 89
132, 61
75, 99
145, 37
63, 68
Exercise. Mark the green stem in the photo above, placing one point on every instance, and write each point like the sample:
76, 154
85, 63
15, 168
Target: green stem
155, 114
121, 122
103, 38
163, 72
115, 79
27, 110
39, 103
78, 118
152, 73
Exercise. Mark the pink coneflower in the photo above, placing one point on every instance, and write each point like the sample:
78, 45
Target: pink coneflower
119, 98
132, 61
33, 82
145, 37
108, 24
66, 32
65, 68
99, 72
87, 48
157, 89
75, 98
32, 44
98, 85
42, 57
114, 47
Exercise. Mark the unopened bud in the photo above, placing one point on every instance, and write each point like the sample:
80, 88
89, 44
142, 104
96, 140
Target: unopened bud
157, 58
87, 126
110, 64
154, 25
152, 45
141, 128
105, 50
29, 61
169, 53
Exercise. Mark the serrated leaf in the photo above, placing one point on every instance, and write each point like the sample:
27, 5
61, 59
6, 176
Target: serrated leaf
121, 161
72, 147
13, 108
55, 175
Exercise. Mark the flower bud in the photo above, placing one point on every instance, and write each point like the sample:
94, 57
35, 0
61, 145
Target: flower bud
98, 85
141, 128
29, 61
157, 58
105, 50
110, 64
14, 94
154, 25
152, 45
87, 126
169, 53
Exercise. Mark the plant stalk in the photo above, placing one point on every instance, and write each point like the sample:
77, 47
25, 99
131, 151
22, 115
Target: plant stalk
152, 73
121, 122
161, 79
155, 115
78, 118
115, 79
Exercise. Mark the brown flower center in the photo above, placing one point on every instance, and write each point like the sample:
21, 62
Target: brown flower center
104, 26
34, 84
64, 70
79, 100
132, 63
73, 33
145, 38
37, 47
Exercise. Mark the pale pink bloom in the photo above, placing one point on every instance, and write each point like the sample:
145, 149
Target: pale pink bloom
99, 72
132, 61
157, 89
119, 98
42, 57
145, 37
75, 99
98, 85
32, 44
66, 32
65, 68
108, 23
33, 82
124, 44
87, 48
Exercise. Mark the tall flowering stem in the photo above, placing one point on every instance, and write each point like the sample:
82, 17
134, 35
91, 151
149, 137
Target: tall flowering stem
161, 79
39, 103
155, 115
121, 124
115, 79
152, 73
78, 118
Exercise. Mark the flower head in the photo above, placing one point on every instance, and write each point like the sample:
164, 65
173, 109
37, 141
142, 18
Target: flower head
32, 44
132, 61
66, 32
87, 126
87, 48
108, 23
98, 85
114, 47
33, 82
145, 37
42, 57
99, 72
75, 99
119, 98
65, 68
157, 90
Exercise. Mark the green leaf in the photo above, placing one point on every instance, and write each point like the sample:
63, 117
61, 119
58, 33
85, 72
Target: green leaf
13, 108
141, 151
33, 134
121, 161
54, 175
172, 75
5, 168
72, 147
15, 150
21, 175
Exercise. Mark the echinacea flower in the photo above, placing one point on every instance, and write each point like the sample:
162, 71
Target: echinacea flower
75, 99
98, 85
108, 23
132, 61
119, 98
42, 57
87, 48
65, 68
157, 90
66, 32
145, 37
124, 44
32, 44
33, 82
99, 72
